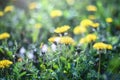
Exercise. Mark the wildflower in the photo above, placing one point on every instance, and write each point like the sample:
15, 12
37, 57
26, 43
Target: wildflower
32, 5
30, 55
109, 20
44, 49
57, 39
91, 37
109, 47
66, 40
86, 23
101, 45
95, 25
82, 41
4, 35
51, 39
22, 52
70, 2
54, 47
54, 39
1, 13
91, 8
38, 26
62, 29
5, 63
8, 9
79, 30
91, 17
55, 13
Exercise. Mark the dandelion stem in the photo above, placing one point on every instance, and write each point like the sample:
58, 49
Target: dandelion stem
99, 65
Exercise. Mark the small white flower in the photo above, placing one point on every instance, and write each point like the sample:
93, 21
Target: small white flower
53, 46
22, 50
66, 34
44, 48
30, 55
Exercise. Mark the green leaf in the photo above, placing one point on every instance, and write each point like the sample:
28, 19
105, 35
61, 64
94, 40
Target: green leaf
9, 53
62, 58
35, 35
55, 66
22, 74
68, 66
1, 50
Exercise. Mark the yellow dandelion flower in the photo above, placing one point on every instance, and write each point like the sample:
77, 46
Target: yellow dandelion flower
95, 25
90, 37
38, 25
5, 63
100, 45
32, 5
55, 13
91, 8
62, 29
4, 35
66, 40
70, 2
109, 47
8, 9
1, 13
92, 17
79, 30
82, 41
54, 39
86, 23
51, 39
109, 20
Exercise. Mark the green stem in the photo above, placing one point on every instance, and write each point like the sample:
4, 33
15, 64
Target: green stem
99, 66
58, 57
